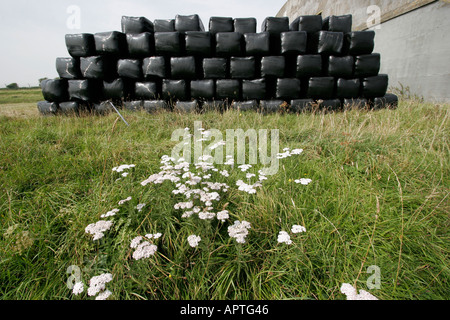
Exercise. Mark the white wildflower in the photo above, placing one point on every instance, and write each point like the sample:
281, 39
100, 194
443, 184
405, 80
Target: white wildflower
111, 213
154, 236
98, 229
206, 215
125, 174
194, 241
298, 229
223, 215
352, 294
229, 162
98, 284
284, 237
78, 288
245, 167
297, 151
135, 242
283, 155
144, 251
239, 231
184, 205
141, 206
122, 202
122, 168
104, 295
224, 173
303, 181
250, 175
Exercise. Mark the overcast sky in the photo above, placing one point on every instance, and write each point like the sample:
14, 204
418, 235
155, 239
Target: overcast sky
32, 32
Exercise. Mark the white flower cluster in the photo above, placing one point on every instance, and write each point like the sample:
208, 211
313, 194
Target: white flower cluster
239, 231
111, 213
288, 153
98, 286
122, 202
194, 241
122, 168
144, 249
298, 229
140, 207
303, 181
98, 229
284, 237
78, 288
249, 188
352, 294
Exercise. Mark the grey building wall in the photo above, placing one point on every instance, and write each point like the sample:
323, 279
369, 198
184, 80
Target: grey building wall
413, 39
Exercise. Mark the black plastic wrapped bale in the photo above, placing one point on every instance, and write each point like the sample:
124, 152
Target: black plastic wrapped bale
242, 67
198, 43
338, 23
309, 66
133, 105
221, 24
309, 23
98, 67
271, 106
146, 90
367, 65
130, 69
70, 107
168, 43
188, 23
257, 44
376, 86
359, 42
80, 45
111, 43
360, 103
294, 42
330, 104
68, 68
245, 25
388, 101
328, 42
154, 68
55, 90
152, 106
340, 67
254, 89
116, 90
183, 68
203, 89
242, 106
47, 108
229, 44
215, 68
288, 88
83, 90
214, 105
275, 26
348, 88
186, 106
141, 45
175, 90
136, 25
103, 108
321, 88
228, 89
164, 25
301, 105
273, 66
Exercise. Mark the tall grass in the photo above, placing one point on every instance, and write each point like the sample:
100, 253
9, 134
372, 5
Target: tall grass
380, 196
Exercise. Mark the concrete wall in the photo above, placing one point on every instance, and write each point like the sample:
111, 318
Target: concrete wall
413, 39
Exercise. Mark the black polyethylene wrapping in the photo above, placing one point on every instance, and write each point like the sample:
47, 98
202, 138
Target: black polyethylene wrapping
146, 90
174, 90
136, 25
186, 106
112, 43
309, 66
328, 42
154, 67
221, 24
168, 43
367, 65
117, 89
183, 68
229, 44
188, 23
254, 89
152, 106
321, 88
141, 45
388, 101
245, 25
228, 89
68, 68
271, 106
83, 90
310, 24
300, 105
242, 67
288, 89
70, 107
273, 66
98, 67
203, 89
359, 42
133, 105
198, 43
215, 68
249, 105
348, 88
55, 90
340, 67
80, 45
374, 87
164, 25
47, 108
294, 42
356, 102
331, 104
338, 23
130, 69
257, 43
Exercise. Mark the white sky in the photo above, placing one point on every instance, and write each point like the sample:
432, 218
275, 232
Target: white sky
32, 32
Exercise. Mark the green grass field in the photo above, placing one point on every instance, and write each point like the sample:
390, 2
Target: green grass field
379, 197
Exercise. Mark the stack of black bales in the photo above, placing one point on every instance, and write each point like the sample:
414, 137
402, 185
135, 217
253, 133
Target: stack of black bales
169, 64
